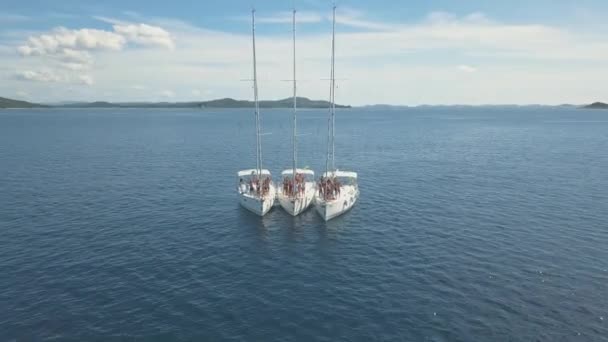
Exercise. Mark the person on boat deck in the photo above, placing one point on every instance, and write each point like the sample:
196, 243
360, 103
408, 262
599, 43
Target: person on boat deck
265, 186
330, 191
300, 185
252, 180
320, 186
242, 186
338, 186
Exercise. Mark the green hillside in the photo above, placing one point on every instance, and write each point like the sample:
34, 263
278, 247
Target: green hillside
220, 103
10, 103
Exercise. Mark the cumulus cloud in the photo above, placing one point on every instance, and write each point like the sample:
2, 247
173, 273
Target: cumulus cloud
72, 50
76, 56
144, 34
71, 43
62, 39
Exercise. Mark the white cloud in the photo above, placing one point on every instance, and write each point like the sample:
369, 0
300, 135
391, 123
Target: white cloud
196, 92
62, 39
73, 50
109, 20
415, 62
355, 18
50, 76
286, 18
144, 34
75, 66
467, 68
76, 56
38, 76
71, 43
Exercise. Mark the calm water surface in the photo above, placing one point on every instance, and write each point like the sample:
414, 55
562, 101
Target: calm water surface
474, 224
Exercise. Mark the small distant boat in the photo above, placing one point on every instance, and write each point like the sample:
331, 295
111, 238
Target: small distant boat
298, 188
337, 191
254, 186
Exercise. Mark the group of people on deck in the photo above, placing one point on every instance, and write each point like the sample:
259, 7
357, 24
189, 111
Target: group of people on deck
296, 186
329, 187
256, 187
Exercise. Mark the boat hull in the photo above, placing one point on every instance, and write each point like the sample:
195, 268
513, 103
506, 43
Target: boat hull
257, 205
295, 206
328, 210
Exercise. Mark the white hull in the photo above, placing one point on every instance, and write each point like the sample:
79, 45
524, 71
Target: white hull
336, 207
298, 205
256, 204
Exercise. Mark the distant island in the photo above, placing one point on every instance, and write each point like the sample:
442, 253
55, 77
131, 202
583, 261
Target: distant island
597, 105
302, 102
10, 103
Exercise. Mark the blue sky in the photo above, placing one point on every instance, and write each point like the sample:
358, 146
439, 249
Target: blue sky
396, 52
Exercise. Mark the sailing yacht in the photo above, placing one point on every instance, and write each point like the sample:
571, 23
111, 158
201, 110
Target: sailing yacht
337, 191
254, 186
298, 188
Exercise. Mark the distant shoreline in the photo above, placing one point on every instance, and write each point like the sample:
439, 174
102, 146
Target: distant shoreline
228, 103
302, 102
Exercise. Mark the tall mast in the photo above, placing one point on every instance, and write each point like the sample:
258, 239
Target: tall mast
295, 141
332, 105
333, 93
258, 142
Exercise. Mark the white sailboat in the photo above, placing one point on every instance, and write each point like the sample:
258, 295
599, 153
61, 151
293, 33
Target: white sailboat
337, 191
254, 186
297, 191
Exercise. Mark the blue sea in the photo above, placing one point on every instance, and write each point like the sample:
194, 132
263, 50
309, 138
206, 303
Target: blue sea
473, 224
